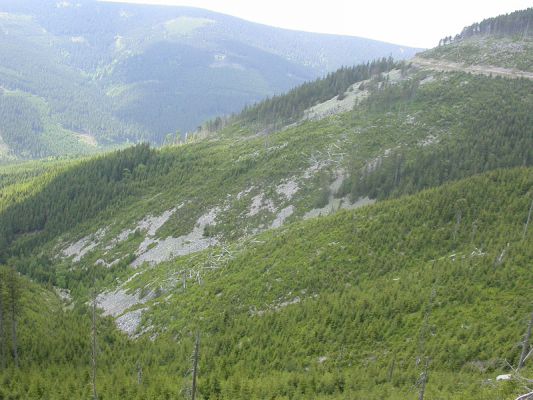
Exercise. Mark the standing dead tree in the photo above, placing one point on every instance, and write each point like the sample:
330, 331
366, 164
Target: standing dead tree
527, 396
94, 342
139, 373
528, 219
525, 344
195, 365
391, 368
3, 361
524, 382
422, 381
14, 294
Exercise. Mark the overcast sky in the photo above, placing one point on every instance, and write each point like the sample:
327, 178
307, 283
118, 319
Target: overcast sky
419, 23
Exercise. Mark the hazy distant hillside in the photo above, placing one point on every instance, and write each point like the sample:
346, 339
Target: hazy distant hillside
96, 73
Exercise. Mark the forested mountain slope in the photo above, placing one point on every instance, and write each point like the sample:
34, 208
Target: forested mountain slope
346, 305
411, 133
78, 76
260, 234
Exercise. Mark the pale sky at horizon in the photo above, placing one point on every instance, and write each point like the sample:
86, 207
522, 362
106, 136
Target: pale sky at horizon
414, 23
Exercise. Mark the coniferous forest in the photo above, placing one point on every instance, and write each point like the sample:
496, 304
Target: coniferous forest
366, 235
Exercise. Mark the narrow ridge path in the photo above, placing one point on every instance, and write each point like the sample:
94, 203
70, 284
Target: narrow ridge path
444, 65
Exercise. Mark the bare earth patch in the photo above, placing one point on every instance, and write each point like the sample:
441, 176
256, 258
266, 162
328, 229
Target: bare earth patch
84, 245
259, 203
154, 251
117, 302
282, 216
288, 189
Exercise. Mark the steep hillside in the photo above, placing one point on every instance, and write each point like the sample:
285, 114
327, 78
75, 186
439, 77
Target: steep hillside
87, 74
349, 305
402, 138
345, 240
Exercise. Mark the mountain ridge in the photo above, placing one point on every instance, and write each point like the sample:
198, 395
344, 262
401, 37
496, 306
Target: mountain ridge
144, 72
373, 242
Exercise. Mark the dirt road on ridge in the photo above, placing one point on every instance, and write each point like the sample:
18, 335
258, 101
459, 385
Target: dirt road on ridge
444, 65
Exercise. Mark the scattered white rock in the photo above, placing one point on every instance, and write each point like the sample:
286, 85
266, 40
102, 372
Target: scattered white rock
259, 203
84, 245
170, 248
322, 359
395, 76
117, 302
240, 195
209, 218
505, 377
130, 321
338, 204
337, 105
284, 304
288, 189
316, 166
155, 251
428, 140
282, 216
103, 263
334, 204
150, 224
64, 294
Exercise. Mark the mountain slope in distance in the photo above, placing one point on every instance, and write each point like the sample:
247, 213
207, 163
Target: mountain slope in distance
119, 73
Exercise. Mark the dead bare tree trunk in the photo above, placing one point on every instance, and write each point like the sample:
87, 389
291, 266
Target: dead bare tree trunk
458, 217
528, 219
94, 343
139, 373
424, 379
2, 325
525, 344
195, 365
422, 345
527, 396
391, 369
499, 260
14, 298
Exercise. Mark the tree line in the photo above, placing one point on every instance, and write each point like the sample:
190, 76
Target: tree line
277, 111
518, 23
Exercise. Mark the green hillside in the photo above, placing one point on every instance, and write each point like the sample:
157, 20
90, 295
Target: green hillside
364, 236
407, 135
336, 307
